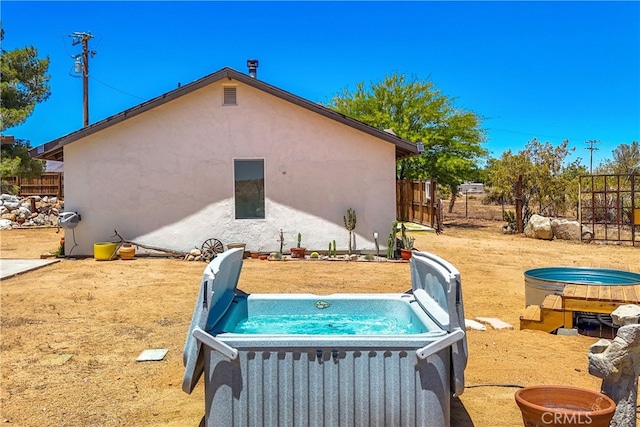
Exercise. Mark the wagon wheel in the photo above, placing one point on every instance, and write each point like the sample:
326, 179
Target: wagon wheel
210, 248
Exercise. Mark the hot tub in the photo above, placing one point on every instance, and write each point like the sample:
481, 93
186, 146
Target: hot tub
342, 359
540, 282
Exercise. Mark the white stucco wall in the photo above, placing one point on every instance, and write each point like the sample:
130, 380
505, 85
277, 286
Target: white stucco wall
165, 177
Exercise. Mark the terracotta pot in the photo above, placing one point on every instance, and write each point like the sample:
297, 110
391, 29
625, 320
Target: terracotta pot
255, 255
405, 254
263, 257
297, 252
557, 405
127, 251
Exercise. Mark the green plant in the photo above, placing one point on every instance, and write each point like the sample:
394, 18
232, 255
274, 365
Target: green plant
369, 257
350, 225
509, 216
314, 255
391, 241
407, 242
299, 239
334, 252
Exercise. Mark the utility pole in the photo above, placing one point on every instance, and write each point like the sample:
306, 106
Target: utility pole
82, 66
591, 148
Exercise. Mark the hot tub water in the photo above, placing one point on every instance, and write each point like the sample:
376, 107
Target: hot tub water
324, 324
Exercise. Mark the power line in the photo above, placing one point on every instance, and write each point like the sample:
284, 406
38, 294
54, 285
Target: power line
116, 89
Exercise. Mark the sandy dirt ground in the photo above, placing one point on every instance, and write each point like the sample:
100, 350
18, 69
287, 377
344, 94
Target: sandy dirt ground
71, 331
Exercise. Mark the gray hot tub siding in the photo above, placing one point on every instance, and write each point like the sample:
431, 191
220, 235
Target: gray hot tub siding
333, 380
318, 386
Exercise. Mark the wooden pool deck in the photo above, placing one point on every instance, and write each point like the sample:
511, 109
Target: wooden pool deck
557, 311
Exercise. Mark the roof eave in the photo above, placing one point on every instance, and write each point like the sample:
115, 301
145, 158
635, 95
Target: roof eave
53, 150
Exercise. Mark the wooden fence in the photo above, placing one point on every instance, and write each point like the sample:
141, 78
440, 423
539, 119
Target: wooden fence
49, 184
417, 202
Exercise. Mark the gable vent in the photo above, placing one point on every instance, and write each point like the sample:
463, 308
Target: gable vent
229, 95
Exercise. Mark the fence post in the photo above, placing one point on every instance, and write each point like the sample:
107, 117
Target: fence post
519, 222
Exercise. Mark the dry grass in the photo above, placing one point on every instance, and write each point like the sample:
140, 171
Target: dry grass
106, 313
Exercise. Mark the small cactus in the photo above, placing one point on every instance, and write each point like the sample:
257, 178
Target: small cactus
334, 249
350, 225
299, 239
391, 242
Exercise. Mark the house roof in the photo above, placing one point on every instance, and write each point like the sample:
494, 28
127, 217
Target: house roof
53, 150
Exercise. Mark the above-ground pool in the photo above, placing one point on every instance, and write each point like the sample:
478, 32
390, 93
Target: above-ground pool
342, 359
540, 282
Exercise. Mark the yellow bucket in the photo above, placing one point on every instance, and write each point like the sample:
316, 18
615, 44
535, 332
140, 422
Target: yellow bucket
104, 251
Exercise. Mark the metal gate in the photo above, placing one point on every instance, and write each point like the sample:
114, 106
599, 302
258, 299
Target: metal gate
609, 205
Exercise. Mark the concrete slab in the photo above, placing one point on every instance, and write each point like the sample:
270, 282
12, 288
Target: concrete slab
152, 355
12, 267
494, 322
472, 324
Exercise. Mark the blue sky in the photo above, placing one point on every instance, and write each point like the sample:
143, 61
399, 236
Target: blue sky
551, 70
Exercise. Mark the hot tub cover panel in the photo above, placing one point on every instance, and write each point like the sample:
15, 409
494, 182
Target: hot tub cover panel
217, 290
437, 283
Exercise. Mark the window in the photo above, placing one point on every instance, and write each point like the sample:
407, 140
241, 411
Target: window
229, 95
249, 188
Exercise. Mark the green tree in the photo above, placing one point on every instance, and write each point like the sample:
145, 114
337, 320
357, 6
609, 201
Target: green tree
24, 83
625, 161
16, 161
417, 111
549, 186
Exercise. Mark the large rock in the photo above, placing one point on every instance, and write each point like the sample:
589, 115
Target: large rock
11, 205
565, 230
9, 198
570, 230
628, 314
5, 224
539, 227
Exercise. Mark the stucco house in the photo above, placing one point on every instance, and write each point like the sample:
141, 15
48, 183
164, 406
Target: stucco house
233, 158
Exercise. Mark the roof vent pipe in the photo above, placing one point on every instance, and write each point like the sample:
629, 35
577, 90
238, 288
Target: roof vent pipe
253, 67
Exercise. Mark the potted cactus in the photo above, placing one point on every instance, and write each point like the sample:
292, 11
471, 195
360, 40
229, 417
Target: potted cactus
407, 244
298, 251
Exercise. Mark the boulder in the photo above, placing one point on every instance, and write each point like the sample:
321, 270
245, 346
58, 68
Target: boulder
628, 314
539, 227
565, 230
9, 198
5, 224
9, 216
570, 230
